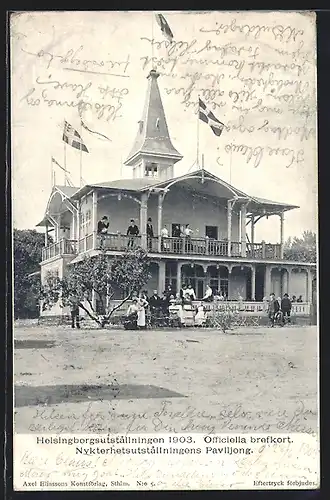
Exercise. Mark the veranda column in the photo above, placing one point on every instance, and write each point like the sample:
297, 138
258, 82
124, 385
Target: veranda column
282, 234
309, 286
229, 224
73, 237
178, 277
161, 277
253, 282
268, 280
57, 228
243, 230
285, 281
46, 235
229, 267
143, 220
94, 221
160, 221
78, 227
252, 229
252, 235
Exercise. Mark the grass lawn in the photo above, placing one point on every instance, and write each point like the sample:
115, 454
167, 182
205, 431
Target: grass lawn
190, 380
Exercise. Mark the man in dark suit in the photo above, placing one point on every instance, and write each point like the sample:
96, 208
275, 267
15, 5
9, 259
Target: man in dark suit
150, 233
273, 308
132, 232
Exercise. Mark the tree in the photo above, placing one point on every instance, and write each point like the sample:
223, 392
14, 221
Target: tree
100, 275
301, 249
28, 246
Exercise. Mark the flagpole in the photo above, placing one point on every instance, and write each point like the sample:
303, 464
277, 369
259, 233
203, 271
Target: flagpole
65, 163
80, 166
230, 164
51, 173
202, 168
152, 38
197, 145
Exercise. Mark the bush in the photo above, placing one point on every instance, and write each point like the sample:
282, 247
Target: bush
224, 319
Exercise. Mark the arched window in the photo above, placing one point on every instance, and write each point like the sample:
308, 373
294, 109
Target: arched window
218, 279
151, 170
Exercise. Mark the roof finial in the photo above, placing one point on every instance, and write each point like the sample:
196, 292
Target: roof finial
153, 74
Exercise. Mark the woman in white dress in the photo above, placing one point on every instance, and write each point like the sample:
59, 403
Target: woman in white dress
142, 304
200, 317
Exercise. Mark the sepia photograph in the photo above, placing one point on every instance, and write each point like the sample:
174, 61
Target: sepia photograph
165, 264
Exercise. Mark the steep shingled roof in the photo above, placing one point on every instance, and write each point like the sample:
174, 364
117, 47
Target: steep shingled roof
153, 135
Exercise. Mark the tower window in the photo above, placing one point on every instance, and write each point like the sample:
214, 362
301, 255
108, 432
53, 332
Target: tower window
151, 170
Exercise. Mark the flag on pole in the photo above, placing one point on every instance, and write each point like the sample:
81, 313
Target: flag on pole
165, 29
93, 131
56, 163
72, 137
208, 117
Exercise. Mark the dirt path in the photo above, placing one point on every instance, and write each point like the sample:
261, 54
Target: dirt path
161, 381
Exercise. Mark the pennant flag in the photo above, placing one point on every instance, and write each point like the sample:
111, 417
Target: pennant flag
166, 30
208, 117
93, 131
56, 163
71, 137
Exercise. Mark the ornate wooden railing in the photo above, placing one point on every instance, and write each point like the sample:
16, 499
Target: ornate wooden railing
62, 247
299, 309
178, 246
119, 242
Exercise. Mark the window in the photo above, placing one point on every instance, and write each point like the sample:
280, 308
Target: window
151, 170
85, 223
176, 230
170, 275
211, 232
220, 284
218, 279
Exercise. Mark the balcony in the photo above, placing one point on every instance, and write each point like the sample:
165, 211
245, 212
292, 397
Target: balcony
191, 246
177, 246
62, 247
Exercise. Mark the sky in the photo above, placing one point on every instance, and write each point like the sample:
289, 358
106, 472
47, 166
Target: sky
255, 71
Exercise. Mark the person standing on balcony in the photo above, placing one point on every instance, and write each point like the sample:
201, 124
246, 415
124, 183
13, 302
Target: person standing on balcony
132, 232
187, 232
102, 229
103, 225
164, 235
176, 233
74, 309
150, 233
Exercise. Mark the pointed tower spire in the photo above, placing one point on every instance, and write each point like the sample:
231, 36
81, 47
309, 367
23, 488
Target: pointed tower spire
153, 143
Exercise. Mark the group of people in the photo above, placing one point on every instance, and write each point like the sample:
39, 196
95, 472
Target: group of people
132, 230
279, 310
182, 232
136, 316
158, 306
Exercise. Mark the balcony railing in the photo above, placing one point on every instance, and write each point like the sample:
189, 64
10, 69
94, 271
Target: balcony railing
191, 246
62, 247
118, 242
263, 250
178, 246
